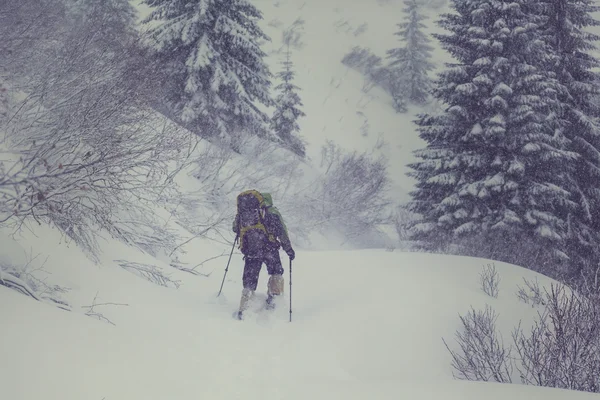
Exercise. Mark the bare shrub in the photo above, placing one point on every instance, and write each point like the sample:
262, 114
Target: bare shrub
194, 270
353, 193
13, 282
151, 273
531, 293
83, 150
27, 279
375, 74
482, 355
402, 220
489, 279
563, 348
361, 59
27, 28
370, 66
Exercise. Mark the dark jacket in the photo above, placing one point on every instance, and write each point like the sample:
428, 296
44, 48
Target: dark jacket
274, 225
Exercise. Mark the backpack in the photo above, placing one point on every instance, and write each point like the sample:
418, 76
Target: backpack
253, 234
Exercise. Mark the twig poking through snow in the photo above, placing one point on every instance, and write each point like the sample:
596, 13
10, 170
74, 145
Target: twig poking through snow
151, 273
92, 313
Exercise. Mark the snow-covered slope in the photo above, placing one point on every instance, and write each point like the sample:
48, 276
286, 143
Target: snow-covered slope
335, 104
365, 324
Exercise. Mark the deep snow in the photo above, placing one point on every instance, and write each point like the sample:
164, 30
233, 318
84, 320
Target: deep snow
365, 323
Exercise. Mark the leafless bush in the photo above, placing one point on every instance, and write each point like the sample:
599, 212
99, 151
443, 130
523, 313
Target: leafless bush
489, 280
370, 66
563, 348
402, 219
482, 355
91, 312
151, 273
531, 293
13, 282
27, 280
27, 28
83, 150
353, 193
588, 283
361, 59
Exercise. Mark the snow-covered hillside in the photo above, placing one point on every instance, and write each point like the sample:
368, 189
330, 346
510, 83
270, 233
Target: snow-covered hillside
335, 104
365, 324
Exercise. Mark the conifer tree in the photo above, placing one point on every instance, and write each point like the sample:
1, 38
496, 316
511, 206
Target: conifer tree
284, 121
410, 64
212, 48
494, 169
564, 29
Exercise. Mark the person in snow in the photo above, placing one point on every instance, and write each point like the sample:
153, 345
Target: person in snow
261, 231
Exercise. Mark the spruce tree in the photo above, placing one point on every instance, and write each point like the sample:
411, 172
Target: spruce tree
284, 121
213, 52
493, 173
564, 29
410, 64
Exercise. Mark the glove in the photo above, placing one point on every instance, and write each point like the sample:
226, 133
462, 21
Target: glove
291, 253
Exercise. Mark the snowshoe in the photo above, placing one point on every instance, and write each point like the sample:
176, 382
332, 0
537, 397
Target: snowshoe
270, 302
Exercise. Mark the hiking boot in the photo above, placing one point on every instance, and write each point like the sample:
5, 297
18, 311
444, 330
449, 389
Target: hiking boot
247, 295
270, 303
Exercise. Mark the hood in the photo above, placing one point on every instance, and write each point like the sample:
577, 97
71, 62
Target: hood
268, 200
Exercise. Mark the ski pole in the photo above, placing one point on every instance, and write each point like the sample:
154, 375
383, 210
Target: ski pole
227, 268
290, 290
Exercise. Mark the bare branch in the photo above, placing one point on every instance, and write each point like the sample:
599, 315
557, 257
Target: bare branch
482, 356
489, 280
98, 315
151, 273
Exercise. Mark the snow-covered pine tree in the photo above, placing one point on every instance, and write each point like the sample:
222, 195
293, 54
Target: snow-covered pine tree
564, 29
410, 64
212, 48
285, 118
492, 174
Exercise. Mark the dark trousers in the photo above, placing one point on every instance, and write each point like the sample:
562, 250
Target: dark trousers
253, 266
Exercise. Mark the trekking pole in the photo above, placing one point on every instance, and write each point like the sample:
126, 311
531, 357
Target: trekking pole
290, 290
227, 268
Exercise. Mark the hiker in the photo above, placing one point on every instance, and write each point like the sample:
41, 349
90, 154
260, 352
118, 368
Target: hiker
261, 233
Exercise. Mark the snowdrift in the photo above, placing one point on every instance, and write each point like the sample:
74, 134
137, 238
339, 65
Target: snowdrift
365, 324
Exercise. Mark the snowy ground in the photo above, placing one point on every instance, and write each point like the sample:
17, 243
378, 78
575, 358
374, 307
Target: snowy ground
366, 323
